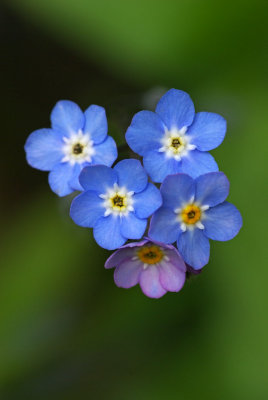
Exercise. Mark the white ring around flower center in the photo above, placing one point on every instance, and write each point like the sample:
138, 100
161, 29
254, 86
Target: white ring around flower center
191, 226
175, 144
117, 201
78, 148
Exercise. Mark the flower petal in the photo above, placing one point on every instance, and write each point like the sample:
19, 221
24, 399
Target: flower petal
222, 222
105, 153
164, 226
145, 132
212, 188
74, 181
67, 117
158, 166
194, 247
96, 123
191, 271
86, 209
147, 201
59, 179
176, 190
207, 131
176, 109
98, 178
150, 283
197, 163
131, 175
127, 273
120, 255
171, 277
44, 149
107, 232
174, 257
132, 227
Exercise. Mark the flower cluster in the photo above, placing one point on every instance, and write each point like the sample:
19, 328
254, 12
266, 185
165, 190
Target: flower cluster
123, 203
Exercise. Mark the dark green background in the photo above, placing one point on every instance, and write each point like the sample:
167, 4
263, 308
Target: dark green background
66, 330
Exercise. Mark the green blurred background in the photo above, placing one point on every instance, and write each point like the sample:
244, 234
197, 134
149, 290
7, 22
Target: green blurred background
66, 330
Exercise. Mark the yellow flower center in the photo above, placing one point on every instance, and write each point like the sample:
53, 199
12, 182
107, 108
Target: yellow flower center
150, 254
118, 202
176, 144
191, 214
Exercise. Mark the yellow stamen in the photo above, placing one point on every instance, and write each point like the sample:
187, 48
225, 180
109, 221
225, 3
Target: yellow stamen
176, 144
191, 214
150, 254
118, 202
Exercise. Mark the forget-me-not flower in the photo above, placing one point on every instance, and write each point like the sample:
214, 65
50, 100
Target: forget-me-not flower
157, 267
115, 203
174, 139
75, 140
193, 212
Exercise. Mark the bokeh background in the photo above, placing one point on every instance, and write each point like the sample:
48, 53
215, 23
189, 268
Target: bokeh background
66, 331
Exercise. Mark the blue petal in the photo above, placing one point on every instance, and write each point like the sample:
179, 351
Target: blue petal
177, 189
145, 132
86, 209
159, 166
211, 189
59, 179
105, 153
96, 123
98, 178
197, 163
107, 232
74, 181
207, 131
147, 201
222, 222
44, 149
194, 248
132, 227
131, 175
164, 226
176, 109
67, 117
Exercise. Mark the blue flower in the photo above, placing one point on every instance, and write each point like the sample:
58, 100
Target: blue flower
193, 212
75, 140
116, 202
174, 139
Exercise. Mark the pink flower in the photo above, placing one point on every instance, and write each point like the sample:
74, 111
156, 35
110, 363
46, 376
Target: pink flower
156, 266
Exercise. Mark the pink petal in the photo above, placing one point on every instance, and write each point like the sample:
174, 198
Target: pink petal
171, 277
150, 283
128, 273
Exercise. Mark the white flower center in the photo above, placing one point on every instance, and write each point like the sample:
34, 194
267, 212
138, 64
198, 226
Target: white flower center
190, 215
176, 144
117, 201
78, 148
